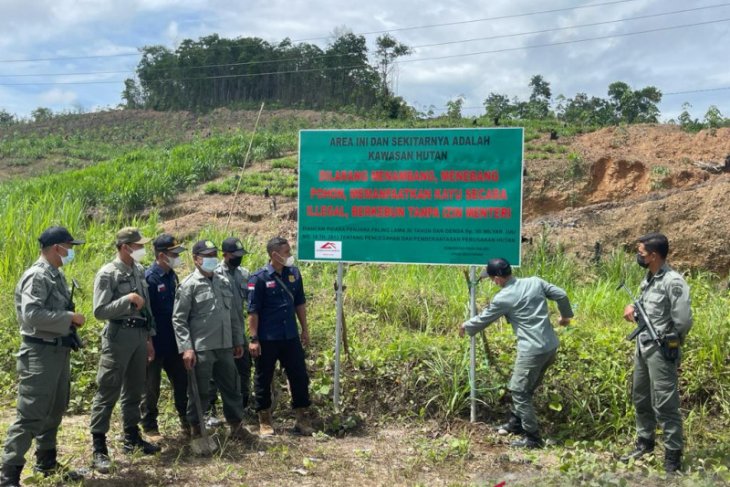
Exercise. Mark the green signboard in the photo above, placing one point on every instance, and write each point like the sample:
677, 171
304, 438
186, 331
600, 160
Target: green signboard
434, 196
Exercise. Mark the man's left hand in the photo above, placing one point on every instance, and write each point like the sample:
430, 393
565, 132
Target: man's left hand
305, 338
238, 351
462, 330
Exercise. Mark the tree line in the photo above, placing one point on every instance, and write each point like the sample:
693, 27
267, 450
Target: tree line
216, 72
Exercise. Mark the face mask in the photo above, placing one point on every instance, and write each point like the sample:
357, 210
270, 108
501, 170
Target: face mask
70, 254
234, 262
209, 264
174, 262
138, 254
640, 260
289, 261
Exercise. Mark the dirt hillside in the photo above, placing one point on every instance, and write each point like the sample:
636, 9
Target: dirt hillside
635, 180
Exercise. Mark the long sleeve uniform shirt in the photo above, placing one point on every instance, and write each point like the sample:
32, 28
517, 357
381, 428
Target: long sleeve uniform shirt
42, 300
523, 302
238, 277
203, 316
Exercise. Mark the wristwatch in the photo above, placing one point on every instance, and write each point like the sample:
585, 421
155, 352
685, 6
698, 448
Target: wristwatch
253, 338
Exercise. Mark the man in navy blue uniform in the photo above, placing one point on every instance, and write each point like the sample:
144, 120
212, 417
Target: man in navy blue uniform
275, 303
163, 283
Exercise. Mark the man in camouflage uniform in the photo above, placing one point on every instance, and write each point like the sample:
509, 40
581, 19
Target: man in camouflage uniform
121, 299
666, 300
210, 337
44, 310
523, 302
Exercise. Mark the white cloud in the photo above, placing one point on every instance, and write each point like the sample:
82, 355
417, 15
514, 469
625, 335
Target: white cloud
58, 97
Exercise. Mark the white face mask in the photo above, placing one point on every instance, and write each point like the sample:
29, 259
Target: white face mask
70, 254
138, 254
174, 262
209, 264
288, 262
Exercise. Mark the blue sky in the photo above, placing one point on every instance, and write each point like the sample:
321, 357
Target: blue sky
676, 60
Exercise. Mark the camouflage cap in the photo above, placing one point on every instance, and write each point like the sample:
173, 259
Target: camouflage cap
204, 247
128, 235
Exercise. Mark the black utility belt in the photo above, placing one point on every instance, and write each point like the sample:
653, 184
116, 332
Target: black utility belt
66, 341
130, 323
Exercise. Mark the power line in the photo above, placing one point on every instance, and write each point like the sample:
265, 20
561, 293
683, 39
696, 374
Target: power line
562, 43
330, 56
557, 29
485, 19
436, 58
399, 29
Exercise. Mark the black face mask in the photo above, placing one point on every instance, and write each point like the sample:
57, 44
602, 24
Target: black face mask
235, 262
640, 260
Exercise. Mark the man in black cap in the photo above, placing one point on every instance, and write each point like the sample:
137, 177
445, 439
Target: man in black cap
231, 269
523, 303
121, 299
163, 283
210, 338
45, 314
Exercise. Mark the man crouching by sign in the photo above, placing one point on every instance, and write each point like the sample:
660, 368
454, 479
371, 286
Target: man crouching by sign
523, 303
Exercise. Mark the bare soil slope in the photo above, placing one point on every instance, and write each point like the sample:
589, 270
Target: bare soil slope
636, 180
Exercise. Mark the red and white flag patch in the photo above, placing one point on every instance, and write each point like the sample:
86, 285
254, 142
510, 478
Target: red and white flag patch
270, 284
161, 288
251, 286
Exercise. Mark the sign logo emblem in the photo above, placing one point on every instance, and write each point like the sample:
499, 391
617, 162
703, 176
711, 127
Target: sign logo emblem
327, 249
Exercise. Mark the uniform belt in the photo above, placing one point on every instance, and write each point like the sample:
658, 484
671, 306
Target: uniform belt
130, 322
56, 342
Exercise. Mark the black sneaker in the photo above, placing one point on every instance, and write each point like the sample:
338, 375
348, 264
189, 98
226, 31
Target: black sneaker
101, 462
672, 461
512, 427
134, 442
141, 445
529, 440
643, 446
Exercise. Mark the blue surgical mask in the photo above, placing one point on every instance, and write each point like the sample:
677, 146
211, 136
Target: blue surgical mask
209, 264
70, 254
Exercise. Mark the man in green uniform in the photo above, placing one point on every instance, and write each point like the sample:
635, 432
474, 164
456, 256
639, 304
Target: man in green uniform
121, 299
44, 310
210, 338
231, 269
665, 298
523, 303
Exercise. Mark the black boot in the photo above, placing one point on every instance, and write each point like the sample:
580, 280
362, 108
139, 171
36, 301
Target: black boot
513, 426
133, 441
529, 440
643, 446
10, 476
672, 460
47, 465
101, 462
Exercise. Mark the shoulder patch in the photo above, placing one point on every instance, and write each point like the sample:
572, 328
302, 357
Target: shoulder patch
677, 290
104, 281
